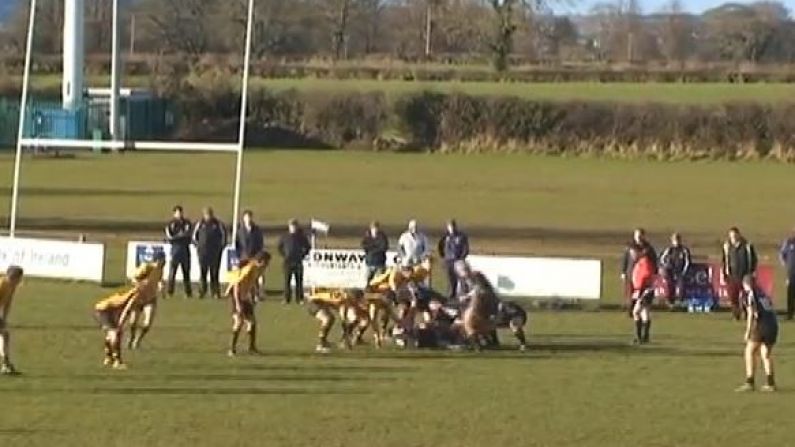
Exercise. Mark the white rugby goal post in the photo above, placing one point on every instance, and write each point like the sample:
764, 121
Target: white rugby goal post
115, 144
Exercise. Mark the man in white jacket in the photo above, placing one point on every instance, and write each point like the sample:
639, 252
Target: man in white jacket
413, 246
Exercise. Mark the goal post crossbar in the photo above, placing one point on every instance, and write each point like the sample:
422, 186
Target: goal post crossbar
167, 146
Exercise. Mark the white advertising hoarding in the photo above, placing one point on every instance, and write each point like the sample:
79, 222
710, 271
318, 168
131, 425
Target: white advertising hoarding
338, 268
139, 252
512, 276
54, 259
542, 277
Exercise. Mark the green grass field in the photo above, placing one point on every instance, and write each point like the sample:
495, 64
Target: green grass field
698, 93
581, 384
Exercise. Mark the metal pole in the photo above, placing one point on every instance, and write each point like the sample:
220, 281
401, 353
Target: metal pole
115, 75
23, 105
241, 139
132, 35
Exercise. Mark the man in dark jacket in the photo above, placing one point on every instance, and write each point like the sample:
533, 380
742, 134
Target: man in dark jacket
641, 243
787, 256
294, 246
739, 260
375, 245
453, 247
179, 235
675, 263
250, 240
210, 239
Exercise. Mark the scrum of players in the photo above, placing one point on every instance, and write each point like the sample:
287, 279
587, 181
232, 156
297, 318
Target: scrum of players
401, 306
397, 305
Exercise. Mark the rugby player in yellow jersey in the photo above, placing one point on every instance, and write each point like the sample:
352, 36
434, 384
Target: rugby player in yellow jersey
242, 285
112, 313
8, 286
403, 285
348, 304
380, 312
149, 280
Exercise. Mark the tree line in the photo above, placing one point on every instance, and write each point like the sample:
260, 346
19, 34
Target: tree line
502, 32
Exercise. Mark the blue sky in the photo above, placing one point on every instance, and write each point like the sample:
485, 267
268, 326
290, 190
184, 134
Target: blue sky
695, 6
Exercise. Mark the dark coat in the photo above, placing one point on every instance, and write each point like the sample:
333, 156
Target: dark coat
375, 249
294, 247
179, 235
209, 237
249, 242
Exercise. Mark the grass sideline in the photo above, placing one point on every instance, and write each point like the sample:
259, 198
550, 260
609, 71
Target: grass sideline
581, 384
695, 93
512, 204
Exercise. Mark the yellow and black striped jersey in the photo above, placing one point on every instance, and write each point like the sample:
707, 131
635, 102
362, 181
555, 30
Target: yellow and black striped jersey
7, 289
245, 279
118, 300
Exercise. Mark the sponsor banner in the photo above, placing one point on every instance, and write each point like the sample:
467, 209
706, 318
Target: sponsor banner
139, 252
54, 259
704, 282
765, 278
542, 277
698, 284
338, 268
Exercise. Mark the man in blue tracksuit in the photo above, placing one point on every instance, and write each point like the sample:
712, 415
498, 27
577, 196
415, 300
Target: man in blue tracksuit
453, 247
787, 257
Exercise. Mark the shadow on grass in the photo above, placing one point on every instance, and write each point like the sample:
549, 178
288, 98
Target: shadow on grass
234, 377
60, 327
101, 192
26, 431
198, 391
333, 368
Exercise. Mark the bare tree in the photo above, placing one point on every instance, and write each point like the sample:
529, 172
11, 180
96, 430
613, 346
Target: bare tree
677, 34
181, 26
339, 14
741, 33
507, 13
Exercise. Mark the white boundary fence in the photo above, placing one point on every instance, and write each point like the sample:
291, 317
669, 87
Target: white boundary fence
530, 277
54, 259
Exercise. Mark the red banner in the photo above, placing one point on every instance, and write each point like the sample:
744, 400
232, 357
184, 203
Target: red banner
704, 281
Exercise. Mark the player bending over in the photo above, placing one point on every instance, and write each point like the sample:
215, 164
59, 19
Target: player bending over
8, 286
512, 316
149, 280
348, 305
380, 312
242, 286
761, 333
112, 313
642, 283
481, 305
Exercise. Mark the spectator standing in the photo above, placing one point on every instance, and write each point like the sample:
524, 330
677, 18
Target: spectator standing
375, 245
250, 239
675, 262
453, 247
641, 247
413, 247
209, 235
179, 235
249, 244
739, 260
787, 257
294, 246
